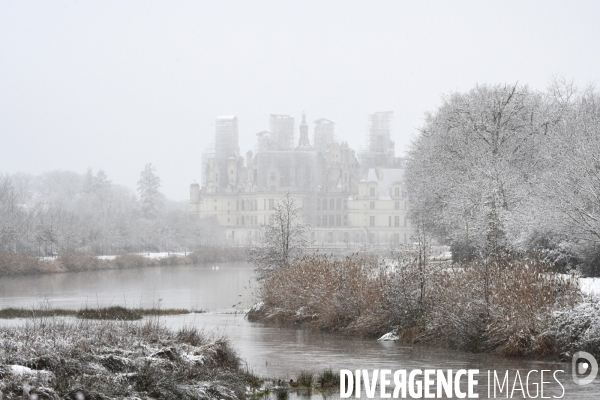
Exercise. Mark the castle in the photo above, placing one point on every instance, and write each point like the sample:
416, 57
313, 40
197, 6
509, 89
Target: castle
348, 199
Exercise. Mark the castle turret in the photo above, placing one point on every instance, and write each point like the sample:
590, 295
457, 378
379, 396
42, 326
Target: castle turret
303, 142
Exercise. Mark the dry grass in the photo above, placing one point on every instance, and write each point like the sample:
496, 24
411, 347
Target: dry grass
117, 359
501, 306
103, 313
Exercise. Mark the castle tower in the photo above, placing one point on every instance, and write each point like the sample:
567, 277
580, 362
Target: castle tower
324, 135
282, 131
226, 138
303, 142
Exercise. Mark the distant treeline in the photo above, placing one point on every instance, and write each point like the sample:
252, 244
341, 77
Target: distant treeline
62, 212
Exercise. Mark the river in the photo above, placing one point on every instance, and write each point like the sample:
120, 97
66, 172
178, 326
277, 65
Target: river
269, 351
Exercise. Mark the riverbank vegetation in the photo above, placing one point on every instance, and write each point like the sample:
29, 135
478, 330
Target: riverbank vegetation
57, 358
514, 306
103, 313
23, 264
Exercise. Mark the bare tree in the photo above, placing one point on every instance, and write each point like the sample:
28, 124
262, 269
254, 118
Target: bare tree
283, 240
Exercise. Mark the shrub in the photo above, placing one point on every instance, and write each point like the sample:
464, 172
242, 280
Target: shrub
126, 261
78, 262
505, 306
305, 379
18, 263
115, 312
578, 329
329, 379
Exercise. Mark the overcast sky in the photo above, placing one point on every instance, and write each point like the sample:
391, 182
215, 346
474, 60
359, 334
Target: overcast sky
114, 85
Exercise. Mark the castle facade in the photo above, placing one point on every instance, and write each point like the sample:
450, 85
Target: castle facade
348, 199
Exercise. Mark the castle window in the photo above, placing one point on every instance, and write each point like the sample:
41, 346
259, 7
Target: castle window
390, 221
338, 220
332, 204
331, 222
271, 204
372, 205
397, 205
372, 191
338, 204
397, 192
324, 204
372, 220
396, 221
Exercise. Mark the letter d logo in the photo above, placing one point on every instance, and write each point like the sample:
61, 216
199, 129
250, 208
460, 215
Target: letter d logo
578, 369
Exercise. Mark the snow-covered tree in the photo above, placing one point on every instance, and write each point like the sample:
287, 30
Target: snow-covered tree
472, 171
151, 199
284, 238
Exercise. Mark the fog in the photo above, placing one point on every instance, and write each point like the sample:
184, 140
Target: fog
113, 86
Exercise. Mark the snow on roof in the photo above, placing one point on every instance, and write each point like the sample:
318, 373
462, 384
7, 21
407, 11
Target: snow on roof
227, 117
388, 178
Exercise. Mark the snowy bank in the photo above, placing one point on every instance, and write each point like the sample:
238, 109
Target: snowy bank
107, 359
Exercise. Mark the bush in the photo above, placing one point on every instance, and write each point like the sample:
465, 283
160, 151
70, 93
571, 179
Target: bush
78, 262
305, 379
18, 263
505, 306
501, 306
126, 261
329, 379
578, 329
590, 261
115, 313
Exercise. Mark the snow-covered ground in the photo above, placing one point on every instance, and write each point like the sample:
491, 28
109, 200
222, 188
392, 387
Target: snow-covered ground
590, 285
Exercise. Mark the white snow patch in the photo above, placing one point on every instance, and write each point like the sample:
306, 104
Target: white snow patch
389, 337
20, 370
590, 286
